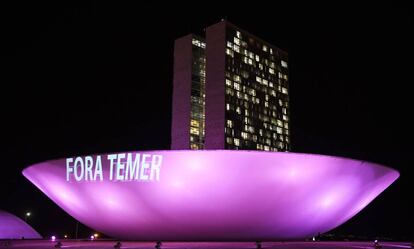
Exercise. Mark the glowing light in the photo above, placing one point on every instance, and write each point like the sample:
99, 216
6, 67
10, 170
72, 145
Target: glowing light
53, 238
28, 214
92, 237
65, 236
96, 235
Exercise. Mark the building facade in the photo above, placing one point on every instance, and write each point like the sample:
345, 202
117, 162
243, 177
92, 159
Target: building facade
230, 91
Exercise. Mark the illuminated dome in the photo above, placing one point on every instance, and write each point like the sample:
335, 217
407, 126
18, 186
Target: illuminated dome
12, 227
211, 195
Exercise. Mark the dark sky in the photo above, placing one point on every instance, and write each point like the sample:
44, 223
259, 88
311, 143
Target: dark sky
93, 78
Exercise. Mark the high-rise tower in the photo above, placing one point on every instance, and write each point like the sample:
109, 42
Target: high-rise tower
230, 92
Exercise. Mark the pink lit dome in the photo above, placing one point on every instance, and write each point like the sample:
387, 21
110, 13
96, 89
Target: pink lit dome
12, 227
211, 194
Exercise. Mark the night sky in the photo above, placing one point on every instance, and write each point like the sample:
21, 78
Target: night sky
90, 78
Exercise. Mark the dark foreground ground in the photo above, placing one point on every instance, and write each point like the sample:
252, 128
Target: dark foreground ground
39, 244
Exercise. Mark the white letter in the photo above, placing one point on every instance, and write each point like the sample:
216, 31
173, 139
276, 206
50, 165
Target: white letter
132, 168
78, 162
112, 158
155, 167
88, 167
144, 165
98, 169
120, 166
69, 169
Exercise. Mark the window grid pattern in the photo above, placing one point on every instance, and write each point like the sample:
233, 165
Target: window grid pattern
198, 80
257, 100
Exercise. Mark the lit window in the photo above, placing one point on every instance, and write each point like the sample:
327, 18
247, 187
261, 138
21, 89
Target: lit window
257, 58
227, 107
239, 95
284, 90
198, 43
244, 135
279, 130
286, 125
229, 52
229, 140
228, 82
258, 79
279, 123
252, 92
284, 111
194, 146
265, 48
195, 123
229, 44
271, 71
238, 34
194, 131
284, 64
285, 118
229, 123
238, 110
236, 142
236, 41
236, 48
237, 86
271, 51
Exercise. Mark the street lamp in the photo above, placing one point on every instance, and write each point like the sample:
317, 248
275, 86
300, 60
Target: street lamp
27, 215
